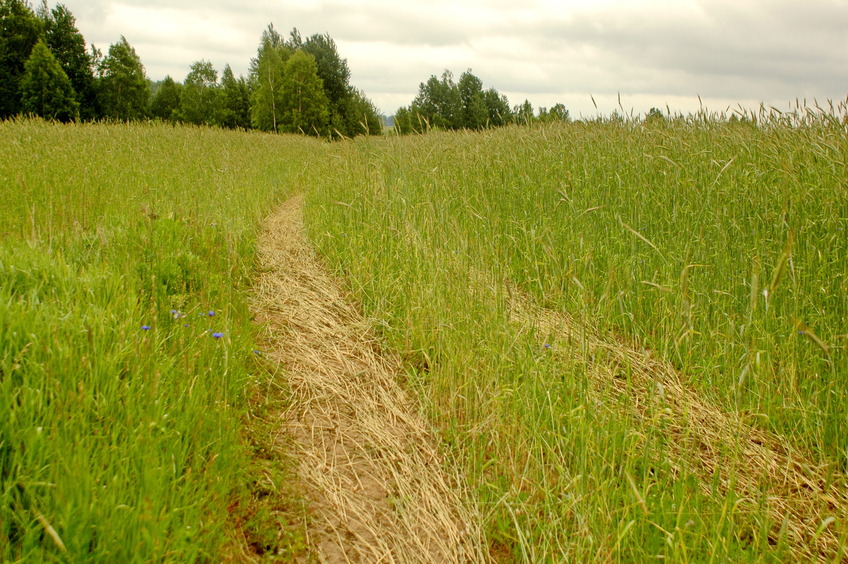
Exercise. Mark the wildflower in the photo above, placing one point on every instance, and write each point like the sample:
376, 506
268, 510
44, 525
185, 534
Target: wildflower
546, 345
145, 327
211, 313
217, 335
255, 352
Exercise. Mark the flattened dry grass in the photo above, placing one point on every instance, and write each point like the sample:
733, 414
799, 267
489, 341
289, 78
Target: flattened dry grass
378, 485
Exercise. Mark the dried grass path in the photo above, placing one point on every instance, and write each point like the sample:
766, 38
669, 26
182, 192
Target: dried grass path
378, 489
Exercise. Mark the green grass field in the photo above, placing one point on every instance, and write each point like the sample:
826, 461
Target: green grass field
126, 349
721, 247
127, 356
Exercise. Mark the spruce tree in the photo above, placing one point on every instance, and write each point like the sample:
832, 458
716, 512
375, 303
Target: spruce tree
46, 90
20, 30
235, 101
68, 46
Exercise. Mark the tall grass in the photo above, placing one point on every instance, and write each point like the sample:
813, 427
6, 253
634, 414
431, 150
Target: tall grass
126, 350
720, 246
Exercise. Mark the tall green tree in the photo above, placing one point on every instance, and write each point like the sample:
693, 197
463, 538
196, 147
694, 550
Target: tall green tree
235, 101
348, 111
410, 120
266, 78
46, 90
124, 91
404, 121
20, 30
558, 112
443, 104
524, 113
474, 114
68, 46
335, 76
361, 115
439, 103
497, 108
165, 104
304, 105
200, 103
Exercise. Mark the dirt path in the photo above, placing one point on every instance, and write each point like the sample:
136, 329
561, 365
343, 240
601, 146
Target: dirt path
378, 489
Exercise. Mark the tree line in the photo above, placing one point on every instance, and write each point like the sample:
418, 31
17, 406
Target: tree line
294, 85
445, 104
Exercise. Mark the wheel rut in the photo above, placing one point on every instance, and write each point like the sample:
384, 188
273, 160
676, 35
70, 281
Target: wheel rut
371, 469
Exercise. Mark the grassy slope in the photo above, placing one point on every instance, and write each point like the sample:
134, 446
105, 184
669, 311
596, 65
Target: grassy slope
722, 247
124, 250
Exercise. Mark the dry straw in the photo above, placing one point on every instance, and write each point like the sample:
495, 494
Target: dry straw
379, 489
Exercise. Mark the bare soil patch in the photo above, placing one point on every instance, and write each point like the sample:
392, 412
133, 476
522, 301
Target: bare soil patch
378, 488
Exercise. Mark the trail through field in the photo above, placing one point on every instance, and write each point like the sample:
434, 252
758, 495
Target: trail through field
377, 487
376, 484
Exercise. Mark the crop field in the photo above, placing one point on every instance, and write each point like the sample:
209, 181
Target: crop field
631, 337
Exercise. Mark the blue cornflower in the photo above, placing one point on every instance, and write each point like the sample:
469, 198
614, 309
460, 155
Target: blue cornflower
255, 352
211, 313
217, 335
546, 345
145, 327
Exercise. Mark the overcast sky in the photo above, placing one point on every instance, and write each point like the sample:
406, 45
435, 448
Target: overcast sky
651, 52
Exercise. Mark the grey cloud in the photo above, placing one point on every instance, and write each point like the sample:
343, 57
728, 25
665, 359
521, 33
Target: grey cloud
721, 49
752, 49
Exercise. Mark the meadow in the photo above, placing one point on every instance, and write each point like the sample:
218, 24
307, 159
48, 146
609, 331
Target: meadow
126, 346
718, 247
536, 281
